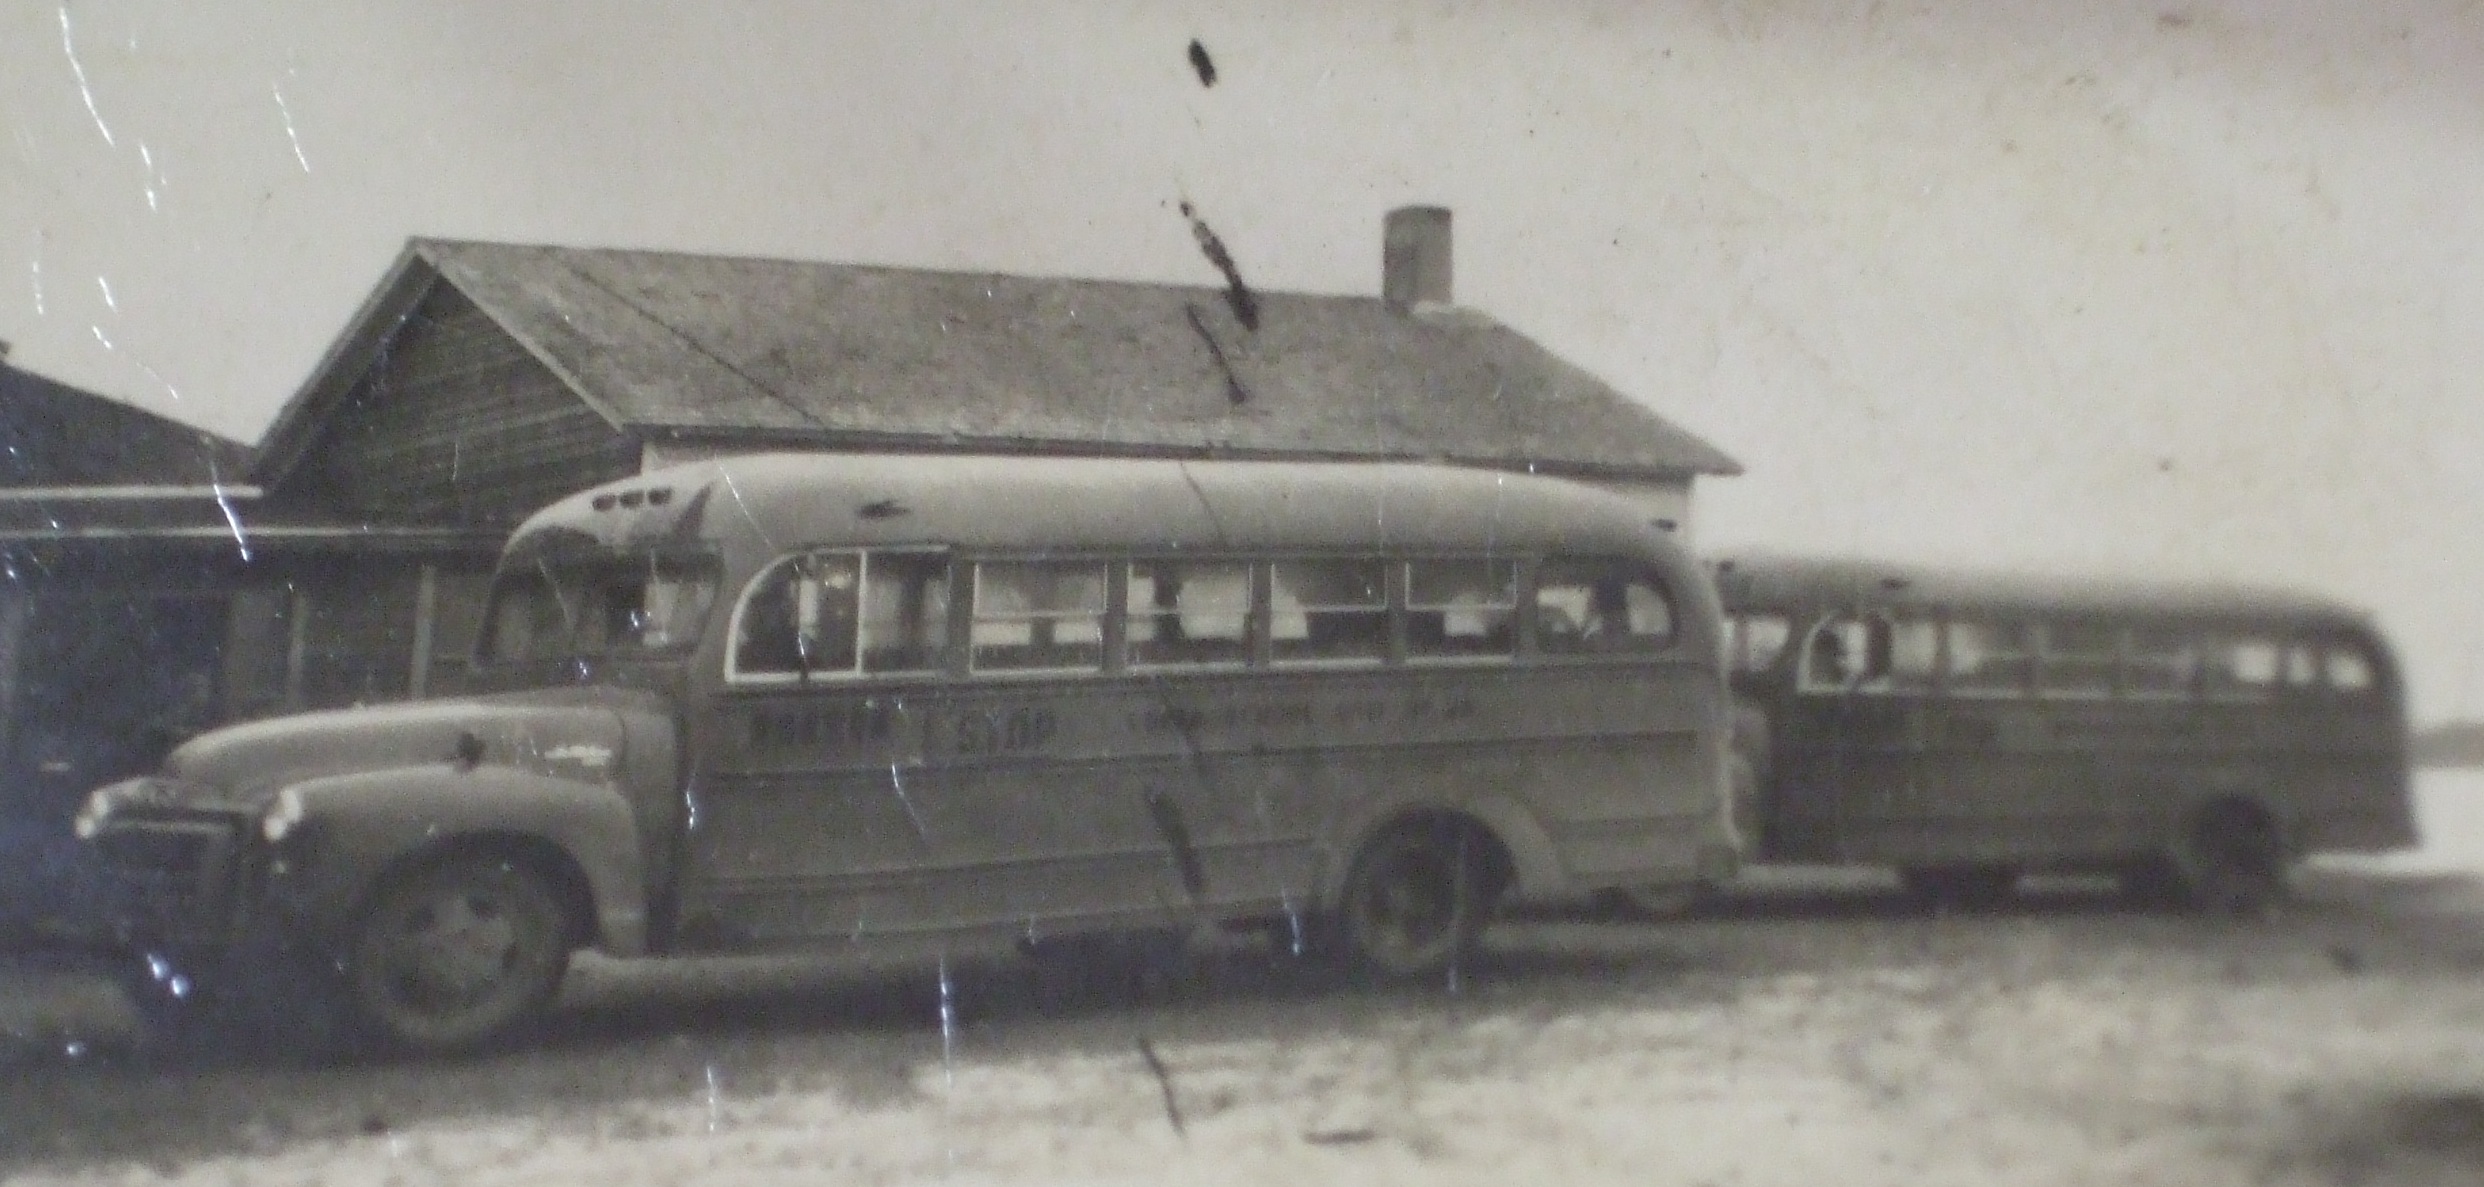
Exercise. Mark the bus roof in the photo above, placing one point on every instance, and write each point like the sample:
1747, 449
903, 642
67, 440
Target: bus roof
784, 501
1789, 582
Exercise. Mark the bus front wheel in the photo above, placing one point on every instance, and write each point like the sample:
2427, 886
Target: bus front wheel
457, 953
1416, 900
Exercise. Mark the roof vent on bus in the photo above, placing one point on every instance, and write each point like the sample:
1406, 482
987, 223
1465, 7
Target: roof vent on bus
882, 509
603, 502
1665, 525
1893, 583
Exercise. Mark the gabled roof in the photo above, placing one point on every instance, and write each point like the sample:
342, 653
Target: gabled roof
55, 435
792, 353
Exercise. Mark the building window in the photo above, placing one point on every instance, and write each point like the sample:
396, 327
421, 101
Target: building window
1328, 611
1038, 616
1461, 608
1186, 612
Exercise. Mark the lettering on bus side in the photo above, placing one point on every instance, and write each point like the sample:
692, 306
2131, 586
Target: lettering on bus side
815, 727
1014, 729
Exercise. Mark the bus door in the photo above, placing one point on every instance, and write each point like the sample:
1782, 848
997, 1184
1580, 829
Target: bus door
1853, 736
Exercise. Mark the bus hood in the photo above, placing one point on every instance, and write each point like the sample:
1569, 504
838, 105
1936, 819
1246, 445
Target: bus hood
570, 734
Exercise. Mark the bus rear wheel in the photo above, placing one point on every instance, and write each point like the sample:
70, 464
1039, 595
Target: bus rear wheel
2232, 861
1416, 901
456, 954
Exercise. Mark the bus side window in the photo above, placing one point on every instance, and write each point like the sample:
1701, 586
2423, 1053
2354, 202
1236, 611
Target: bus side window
2244, 669
1914, 654
1837, 655
1990, 658
905, 611
1038, 615
1599, 606
2079, 659
2302, 668
2349, 668
1184, 612
799, 618
1329, 610
2160, 663
1461, 608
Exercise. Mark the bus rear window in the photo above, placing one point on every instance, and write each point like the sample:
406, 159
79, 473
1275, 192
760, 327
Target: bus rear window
1038, 615
2349, 669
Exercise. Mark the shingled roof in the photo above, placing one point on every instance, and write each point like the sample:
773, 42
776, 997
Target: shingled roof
56, 435
781, 352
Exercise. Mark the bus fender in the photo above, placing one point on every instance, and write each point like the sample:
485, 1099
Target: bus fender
357, 828
1535, 866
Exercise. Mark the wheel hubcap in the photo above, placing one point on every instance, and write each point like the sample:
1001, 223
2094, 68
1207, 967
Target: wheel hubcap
453, 951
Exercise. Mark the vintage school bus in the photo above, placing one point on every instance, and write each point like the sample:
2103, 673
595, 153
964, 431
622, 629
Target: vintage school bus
1968, 728
788, 701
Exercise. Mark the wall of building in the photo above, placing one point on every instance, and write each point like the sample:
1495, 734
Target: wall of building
456, 424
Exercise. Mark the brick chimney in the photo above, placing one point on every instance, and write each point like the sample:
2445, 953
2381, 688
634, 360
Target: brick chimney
1414, 257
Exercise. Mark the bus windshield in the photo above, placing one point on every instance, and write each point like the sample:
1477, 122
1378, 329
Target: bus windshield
617, 607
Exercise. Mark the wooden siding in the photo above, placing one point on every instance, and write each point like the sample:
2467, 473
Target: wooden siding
457, 424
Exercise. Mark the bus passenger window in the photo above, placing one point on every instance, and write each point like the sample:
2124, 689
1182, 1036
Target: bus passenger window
2302, 670
2161, 663
1763, 639
1187, 613
1037, 615
1990, 658
2240, 668
1329, 610
2350, 670
1836, 655
1461, 608
1599, 606
1914, 654
905, 618
798, 618
2079, 658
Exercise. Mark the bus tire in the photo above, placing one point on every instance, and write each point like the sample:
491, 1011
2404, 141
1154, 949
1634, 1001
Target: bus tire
1981, 884
1415, 901
455, 954
2232, 861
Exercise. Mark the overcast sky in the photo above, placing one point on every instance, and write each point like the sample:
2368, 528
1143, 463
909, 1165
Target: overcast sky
2170, 287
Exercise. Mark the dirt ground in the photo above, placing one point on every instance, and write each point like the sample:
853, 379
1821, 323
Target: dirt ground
1793, 1036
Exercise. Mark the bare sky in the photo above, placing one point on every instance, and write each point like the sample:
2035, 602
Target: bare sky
2168, 287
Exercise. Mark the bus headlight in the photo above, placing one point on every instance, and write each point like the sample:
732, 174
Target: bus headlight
282, 816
